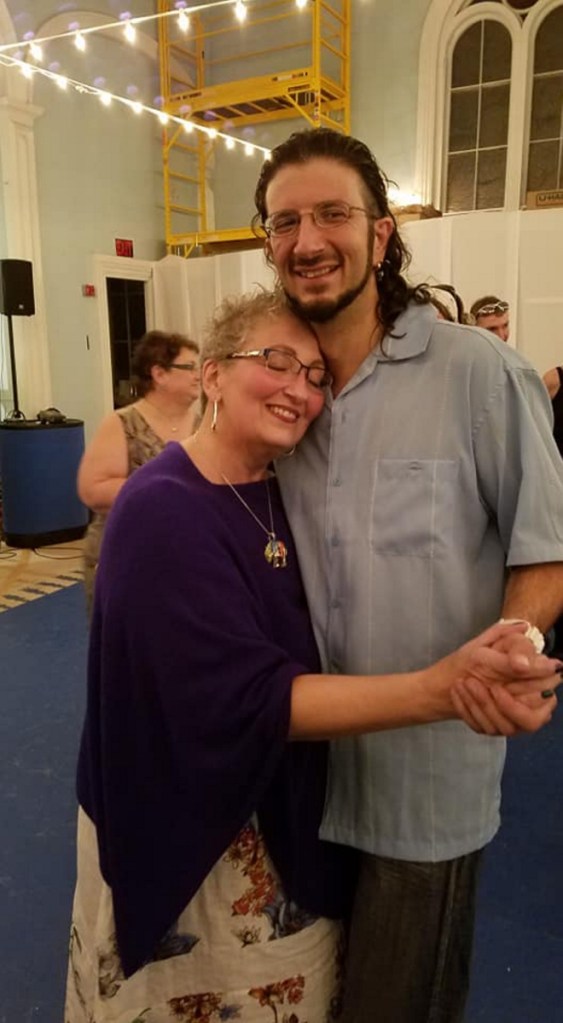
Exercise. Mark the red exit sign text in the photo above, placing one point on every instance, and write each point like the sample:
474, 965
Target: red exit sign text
123, 247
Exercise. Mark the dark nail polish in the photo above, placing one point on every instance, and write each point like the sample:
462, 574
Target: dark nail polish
547, 694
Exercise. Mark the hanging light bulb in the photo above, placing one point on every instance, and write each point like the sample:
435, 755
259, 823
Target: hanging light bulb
212, 133
80, 42
26, 70
130, 32
188, 127
163, 117
183, 21
230, 143
300, 4
137, 107
240, 11
105, 98
36, 51
61, 81
248, 149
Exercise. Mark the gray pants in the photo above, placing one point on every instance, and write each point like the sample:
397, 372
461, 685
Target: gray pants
410, 941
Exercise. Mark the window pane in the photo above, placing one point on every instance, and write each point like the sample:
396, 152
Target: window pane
115, 285
120, 352
547, 107
549, 43
522, 5
118, 320
461, 175
497, 51
491, 175
137, 317
542, 165
463, 120
467, 57
494, 115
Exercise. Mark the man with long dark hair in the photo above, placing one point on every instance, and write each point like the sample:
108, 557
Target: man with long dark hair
426, 503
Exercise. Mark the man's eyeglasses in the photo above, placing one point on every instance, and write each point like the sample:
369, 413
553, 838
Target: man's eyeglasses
284, 362
183, 365
492, 309
326, 215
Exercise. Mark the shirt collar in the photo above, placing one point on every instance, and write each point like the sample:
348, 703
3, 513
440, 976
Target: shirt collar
409, 337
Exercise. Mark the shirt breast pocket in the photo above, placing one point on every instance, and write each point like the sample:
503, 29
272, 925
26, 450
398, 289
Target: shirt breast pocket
412, 506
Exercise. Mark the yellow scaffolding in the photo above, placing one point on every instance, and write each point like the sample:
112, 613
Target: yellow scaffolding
284, 62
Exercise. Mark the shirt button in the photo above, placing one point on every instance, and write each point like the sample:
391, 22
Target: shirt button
337, 482
335, 604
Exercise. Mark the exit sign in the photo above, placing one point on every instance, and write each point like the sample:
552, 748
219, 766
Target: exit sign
124, 247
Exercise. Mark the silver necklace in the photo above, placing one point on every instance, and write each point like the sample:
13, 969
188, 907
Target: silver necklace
275, 550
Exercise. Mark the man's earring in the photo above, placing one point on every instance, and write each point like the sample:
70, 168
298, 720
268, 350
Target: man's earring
380, 269
214, 416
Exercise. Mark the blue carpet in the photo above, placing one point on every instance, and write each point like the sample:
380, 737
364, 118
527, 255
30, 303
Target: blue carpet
43, 645
518, 965
517, 975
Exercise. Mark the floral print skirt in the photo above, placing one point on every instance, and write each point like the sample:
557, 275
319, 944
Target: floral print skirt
239, 951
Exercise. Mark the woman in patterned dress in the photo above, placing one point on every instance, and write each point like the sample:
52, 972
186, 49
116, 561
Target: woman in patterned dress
203, 892
166, 375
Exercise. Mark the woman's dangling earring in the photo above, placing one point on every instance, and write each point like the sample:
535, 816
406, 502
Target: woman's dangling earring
214, 416
380, 270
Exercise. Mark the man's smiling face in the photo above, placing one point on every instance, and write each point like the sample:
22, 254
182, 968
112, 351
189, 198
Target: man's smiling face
323, 270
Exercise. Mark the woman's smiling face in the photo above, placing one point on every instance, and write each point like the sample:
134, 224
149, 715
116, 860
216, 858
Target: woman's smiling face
264, 408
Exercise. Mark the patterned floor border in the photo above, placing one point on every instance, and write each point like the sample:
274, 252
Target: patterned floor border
28, 576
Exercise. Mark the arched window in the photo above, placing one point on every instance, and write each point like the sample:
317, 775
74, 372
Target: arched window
478, 122
545, 153
491, 120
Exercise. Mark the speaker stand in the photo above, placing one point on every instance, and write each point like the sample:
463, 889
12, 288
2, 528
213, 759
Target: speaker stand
16, 412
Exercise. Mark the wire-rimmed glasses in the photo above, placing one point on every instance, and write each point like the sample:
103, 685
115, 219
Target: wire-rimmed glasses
326, 215
282, 361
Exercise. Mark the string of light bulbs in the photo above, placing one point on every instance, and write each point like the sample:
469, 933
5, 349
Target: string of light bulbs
128, 23
107, 98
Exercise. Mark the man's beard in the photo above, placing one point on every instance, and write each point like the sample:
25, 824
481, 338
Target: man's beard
322, 310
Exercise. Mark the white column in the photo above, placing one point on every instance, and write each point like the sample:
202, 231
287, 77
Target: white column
21, 210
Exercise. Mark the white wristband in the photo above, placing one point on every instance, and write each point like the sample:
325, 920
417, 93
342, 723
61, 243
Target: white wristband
532, 632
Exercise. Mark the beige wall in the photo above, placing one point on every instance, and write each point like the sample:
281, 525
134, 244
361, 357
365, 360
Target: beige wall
98, 177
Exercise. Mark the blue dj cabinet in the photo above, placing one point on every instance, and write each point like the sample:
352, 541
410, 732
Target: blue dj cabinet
38, 467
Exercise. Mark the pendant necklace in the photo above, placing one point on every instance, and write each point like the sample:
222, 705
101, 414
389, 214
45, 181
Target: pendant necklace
275, 550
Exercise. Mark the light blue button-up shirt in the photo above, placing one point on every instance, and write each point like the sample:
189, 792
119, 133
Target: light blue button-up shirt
432, 471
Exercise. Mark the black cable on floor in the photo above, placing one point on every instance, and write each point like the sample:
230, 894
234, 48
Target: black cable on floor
58, 557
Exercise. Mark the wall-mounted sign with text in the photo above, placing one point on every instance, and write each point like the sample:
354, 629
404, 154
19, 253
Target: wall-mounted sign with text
124, 247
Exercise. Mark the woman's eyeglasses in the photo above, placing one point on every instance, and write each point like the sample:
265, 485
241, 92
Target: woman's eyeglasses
281, 361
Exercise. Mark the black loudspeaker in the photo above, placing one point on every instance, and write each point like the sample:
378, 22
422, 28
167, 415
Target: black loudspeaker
16, 287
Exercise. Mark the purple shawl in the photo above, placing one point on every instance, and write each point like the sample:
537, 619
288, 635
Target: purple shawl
195, 642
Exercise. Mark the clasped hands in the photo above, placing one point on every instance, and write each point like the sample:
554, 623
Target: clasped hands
502, 686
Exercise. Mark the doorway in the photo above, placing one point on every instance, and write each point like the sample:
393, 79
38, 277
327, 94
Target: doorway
127, 323
131, 302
